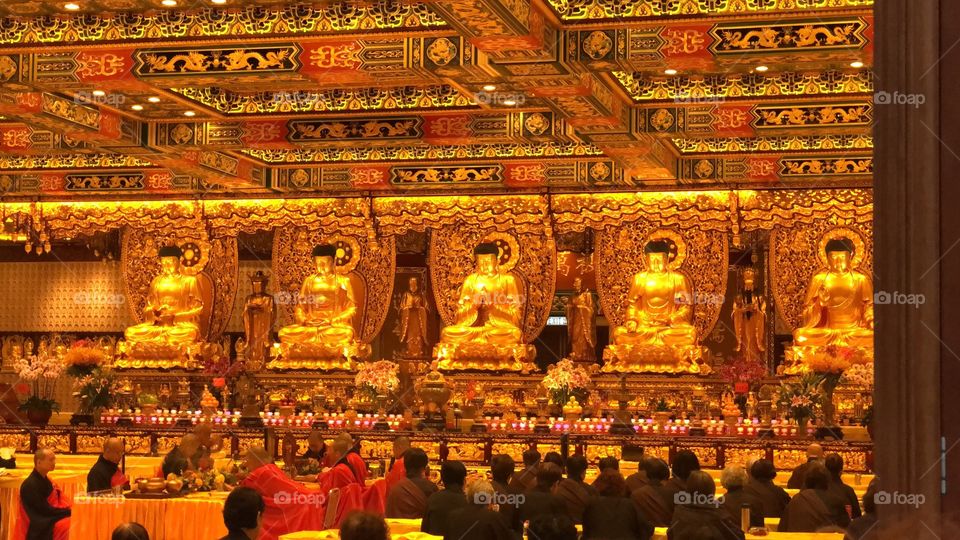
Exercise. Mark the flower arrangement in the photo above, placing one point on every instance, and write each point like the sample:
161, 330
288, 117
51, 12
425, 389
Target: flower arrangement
800, 397
565, 379
83, 358
378, 378
737, 370
859, 375
835, 359
41, 372
96, 390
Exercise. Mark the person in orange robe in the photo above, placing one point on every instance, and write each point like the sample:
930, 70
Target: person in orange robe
342, 473
290, 507
356, 462
397, 471
44, 510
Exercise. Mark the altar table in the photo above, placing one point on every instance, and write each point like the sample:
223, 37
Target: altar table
660, 533
199, 515
334, 534
72, 482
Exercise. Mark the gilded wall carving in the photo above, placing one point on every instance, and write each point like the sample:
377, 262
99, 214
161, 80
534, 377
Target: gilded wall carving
370, 268
701, 255
528, 255
212, 260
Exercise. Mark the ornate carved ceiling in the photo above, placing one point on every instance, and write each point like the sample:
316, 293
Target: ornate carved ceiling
134, 97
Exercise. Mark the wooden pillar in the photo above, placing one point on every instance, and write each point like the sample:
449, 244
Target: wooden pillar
917, 213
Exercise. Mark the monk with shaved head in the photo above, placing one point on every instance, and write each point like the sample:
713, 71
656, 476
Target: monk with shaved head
180, 458
289, 506
105, 473
397, 472
45, 508
343, 472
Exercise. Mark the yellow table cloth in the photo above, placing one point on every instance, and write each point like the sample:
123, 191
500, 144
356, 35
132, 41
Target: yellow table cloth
660, 533
333, 534
196, 516
70, 481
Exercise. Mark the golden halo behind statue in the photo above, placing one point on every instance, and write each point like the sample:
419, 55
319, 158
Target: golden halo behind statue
196, 252
855, 236
348, 252
508, 247
678, 246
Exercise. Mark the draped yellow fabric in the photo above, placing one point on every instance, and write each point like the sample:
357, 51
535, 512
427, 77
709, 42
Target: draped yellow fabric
195, 516
661, 534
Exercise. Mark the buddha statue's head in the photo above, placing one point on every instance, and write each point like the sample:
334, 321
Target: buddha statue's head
657, 255
324, 259
487, 256
414, 284
170, 259
749, 279
839, 254
577, 285
258, 281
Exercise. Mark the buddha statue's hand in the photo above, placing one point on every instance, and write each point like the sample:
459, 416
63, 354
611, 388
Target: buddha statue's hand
631, 326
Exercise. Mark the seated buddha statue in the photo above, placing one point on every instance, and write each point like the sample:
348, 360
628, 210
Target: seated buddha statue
838, 307
489, 308
658, 325
174, 303
323, 315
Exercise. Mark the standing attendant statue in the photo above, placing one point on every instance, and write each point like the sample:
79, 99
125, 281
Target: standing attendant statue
259, 314
413, 308
749, 319
582, 324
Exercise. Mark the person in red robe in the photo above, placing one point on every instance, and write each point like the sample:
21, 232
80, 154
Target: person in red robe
105, 473
397, 471
290, 507
342, 473
44, 509
408, 498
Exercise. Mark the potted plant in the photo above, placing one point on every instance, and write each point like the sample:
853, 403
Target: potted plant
96, 390
148, 403
83, 358
661, 412
378, 380
40, 373
800, 397
564, 380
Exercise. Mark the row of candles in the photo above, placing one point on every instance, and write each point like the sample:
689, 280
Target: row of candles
744, 426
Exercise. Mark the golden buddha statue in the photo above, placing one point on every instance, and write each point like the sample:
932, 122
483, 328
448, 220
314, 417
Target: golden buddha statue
486, 332
658, 334
582, 324
749, 319
837, 309
322, 336
171, 318
412, 326
259, 314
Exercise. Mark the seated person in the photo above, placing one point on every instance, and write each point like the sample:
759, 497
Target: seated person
105, 473
773, 497
281, 515
638, 479
7, 459
611, 515
607, 463
655, 500
552, 527
364, 526
542, 499
478, 520
453, 474
46, 507
733, 479
814, 507
798, 477
243, 514
684, 463
342, 473
555, 458
179, 459
527, 478
502, 468
316, 448
860, 528
397, 473
130, 531
209, 444
357, 463
834, 464
407, 499
573, 490
700, 516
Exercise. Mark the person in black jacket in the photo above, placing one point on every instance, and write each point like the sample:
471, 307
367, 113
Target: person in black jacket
43, 502
834, 465
733, 479
773, 497
105, 473
698, 514
553, 527
815, 507
542, 499
478, 520
243, 514
439, 505
611, 515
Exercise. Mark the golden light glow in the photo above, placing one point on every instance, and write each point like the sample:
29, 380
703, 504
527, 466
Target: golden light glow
153, 99
761, 69
137, 107
99, 93
489, 87
858, 64
670, 71
169, 3
71, 6
189, 113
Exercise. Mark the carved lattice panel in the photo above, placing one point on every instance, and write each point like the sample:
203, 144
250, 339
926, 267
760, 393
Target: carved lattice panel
213, 261
701, 256
527, 256
370, 272
798, 255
